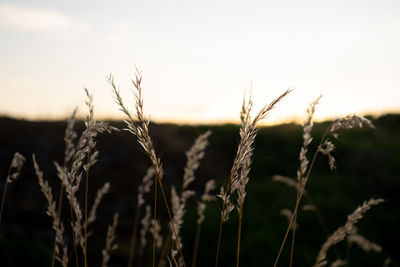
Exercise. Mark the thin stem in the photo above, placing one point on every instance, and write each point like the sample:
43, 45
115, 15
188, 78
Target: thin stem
348, 249
3, 199
287, 233
171, 220
219, 237
4, 193
322, 222
292, 246
86, 213
75, 239
196, 245
294, 228
164, 250
154, 222
133, 238
239, 234
292, 220
228, 188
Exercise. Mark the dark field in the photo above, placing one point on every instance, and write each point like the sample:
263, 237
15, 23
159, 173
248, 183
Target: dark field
368, 165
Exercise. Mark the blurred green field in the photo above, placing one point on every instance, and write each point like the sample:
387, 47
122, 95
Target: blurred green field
368, 165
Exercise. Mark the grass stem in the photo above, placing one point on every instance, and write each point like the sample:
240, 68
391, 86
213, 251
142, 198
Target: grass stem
133, 238
196, 245
155, 219
239, 234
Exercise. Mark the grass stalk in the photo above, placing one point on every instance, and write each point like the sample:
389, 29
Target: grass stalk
219, 237
196, 245
75, 240
292, 220
133, 238
141, 131
292, 245
4, 193
239, 234
86, 215
155, 218
164, 250
171, 220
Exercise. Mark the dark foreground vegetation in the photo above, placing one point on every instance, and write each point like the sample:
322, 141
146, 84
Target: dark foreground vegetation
367, 165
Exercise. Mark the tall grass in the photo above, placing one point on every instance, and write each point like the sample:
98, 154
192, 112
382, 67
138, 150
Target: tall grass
168, 245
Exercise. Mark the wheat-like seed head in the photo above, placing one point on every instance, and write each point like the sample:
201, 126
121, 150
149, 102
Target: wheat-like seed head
15, 167
241, 165
145, 186
206, 197
178, 211
194, 155
145, 222
71, 190
307, 139
350, 122
345, 230
362, 242
70, 136
157, 226
140, 129
109, 241
99, 196
52, 212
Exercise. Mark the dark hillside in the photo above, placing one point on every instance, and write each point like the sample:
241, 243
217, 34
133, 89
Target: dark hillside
368, 165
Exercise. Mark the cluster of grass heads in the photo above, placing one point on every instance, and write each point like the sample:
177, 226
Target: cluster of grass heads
163, 240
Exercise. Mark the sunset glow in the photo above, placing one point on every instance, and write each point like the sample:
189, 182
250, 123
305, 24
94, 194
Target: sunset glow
199, 58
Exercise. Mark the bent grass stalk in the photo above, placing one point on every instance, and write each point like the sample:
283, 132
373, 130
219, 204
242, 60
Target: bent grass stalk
69, 137
237, 181
344, 230
325, 147
307, 139
141, 131
194, 156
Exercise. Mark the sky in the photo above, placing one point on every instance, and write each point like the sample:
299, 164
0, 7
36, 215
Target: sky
198, 58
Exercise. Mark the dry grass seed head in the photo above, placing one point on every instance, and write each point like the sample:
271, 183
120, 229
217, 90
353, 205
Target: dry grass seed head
307, 139
201, 205
241, 165
99, 196
345, 230
15, 167
362, 242
52, 212
110, 246
145, 222
145, 186
69, 138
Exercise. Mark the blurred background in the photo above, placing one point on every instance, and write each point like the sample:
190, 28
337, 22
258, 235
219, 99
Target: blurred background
367, 166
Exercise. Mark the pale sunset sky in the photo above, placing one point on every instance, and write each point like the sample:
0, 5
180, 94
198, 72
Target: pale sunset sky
199, 57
